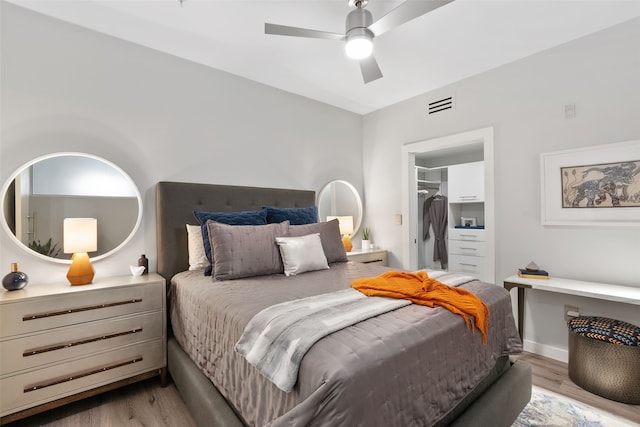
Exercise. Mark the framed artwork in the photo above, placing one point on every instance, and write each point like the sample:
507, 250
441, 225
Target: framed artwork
592, 186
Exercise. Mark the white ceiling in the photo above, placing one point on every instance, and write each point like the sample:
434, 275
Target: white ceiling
456, 41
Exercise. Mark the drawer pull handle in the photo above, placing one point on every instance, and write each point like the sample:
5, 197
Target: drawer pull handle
468, 197
468, 249
468, 265
371, 261
79, 309
61, 346
83, 374
473, 236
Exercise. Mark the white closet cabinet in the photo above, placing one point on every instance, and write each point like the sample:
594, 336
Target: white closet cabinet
466, 182
467, 252
467, 245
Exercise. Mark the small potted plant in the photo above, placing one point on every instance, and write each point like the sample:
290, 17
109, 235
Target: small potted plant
366, 243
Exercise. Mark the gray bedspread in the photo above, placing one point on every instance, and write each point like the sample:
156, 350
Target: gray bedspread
277, 338
407, 367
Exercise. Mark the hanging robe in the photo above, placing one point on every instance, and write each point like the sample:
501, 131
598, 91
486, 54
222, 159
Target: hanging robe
434, 214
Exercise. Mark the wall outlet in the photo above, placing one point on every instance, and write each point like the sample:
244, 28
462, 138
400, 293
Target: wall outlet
570, 312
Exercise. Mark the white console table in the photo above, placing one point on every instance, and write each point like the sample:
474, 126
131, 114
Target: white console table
603, 291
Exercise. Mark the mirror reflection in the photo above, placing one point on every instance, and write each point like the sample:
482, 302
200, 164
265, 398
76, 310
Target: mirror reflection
340, 198
41, 194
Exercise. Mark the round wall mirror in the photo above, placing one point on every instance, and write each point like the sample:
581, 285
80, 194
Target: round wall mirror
42, 193
340, 198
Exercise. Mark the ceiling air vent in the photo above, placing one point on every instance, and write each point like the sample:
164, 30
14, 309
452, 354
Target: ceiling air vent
440, 105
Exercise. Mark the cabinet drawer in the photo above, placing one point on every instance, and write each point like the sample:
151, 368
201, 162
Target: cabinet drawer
466, 234
464, 247
40, 314
44, 385
471, 265
65, 343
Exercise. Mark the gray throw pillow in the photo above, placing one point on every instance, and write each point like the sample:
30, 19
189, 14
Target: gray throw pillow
245, 250
329, 235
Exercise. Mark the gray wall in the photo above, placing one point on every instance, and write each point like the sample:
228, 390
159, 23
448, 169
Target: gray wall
524, 102
157, 117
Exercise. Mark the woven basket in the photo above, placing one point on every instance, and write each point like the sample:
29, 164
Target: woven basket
608, 370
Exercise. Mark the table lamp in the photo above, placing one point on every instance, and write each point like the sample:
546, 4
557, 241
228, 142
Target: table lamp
346, 229
80, 236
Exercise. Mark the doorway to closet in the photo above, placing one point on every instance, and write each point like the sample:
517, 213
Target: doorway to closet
435, 169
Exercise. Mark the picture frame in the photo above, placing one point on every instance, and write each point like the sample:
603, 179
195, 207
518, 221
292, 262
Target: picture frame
468, 222
592, 186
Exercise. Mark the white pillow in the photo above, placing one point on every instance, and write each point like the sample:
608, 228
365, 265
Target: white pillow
303, 253
197, 257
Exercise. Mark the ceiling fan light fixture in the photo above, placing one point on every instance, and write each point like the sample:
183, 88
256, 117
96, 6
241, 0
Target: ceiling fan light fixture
359, 44
360, 30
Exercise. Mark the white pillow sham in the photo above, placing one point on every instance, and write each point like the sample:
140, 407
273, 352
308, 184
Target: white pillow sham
302, 254
197, 257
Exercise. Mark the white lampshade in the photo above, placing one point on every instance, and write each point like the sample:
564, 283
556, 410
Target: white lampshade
80, 235
345, 221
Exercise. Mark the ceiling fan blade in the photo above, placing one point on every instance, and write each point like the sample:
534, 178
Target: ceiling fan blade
404, 13
370, 69
284, 30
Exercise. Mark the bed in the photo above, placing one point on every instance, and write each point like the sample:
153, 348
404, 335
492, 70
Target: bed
351, 377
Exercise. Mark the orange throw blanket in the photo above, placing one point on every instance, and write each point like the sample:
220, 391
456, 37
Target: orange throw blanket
419, 288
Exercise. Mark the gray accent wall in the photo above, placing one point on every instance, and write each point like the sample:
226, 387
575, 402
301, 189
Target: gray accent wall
525, 103
159, 118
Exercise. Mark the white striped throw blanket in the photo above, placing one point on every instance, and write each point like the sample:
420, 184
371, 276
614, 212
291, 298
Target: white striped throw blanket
277, 338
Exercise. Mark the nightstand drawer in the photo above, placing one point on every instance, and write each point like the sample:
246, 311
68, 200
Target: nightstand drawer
376, 257
75, 375
463, 247
64, 343
68, 309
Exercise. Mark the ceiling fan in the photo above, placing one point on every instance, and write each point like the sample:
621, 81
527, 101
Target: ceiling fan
360, 30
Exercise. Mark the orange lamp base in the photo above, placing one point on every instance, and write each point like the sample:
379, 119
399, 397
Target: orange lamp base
346, 242
80, 271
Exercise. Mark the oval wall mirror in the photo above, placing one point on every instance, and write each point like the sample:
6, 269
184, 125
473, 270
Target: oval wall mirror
42, 193
340, 198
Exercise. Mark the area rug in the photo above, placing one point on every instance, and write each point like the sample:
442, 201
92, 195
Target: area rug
548, 409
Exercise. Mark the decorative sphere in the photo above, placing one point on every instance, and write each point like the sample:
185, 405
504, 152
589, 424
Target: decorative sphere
15, 280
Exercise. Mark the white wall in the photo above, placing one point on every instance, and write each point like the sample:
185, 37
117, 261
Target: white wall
157, 117
161, 118
524, 102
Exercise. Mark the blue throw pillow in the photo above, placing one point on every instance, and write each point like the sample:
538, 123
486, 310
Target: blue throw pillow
257, 217
295, 216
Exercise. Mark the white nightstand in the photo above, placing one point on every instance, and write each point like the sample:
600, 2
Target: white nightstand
61, 343
373, 256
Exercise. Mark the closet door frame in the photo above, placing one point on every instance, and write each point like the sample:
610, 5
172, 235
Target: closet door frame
459, 141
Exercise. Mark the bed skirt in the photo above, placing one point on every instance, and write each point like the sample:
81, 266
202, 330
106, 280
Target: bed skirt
496, 403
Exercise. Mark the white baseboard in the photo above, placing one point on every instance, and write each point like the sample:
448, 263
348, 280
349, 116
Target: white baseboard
556, 353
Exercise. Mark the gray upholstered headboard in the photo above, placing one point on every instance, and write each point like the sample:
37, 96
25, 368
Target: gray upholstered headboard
176, 201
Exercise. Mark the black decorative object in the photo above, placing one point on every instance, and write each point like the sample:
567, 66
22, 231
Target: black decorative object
143, 261
16, 279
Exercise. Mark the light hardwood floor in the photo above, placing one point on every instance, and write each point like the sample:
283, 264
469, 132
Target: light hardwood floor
148, 404
554, 376
145, 403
